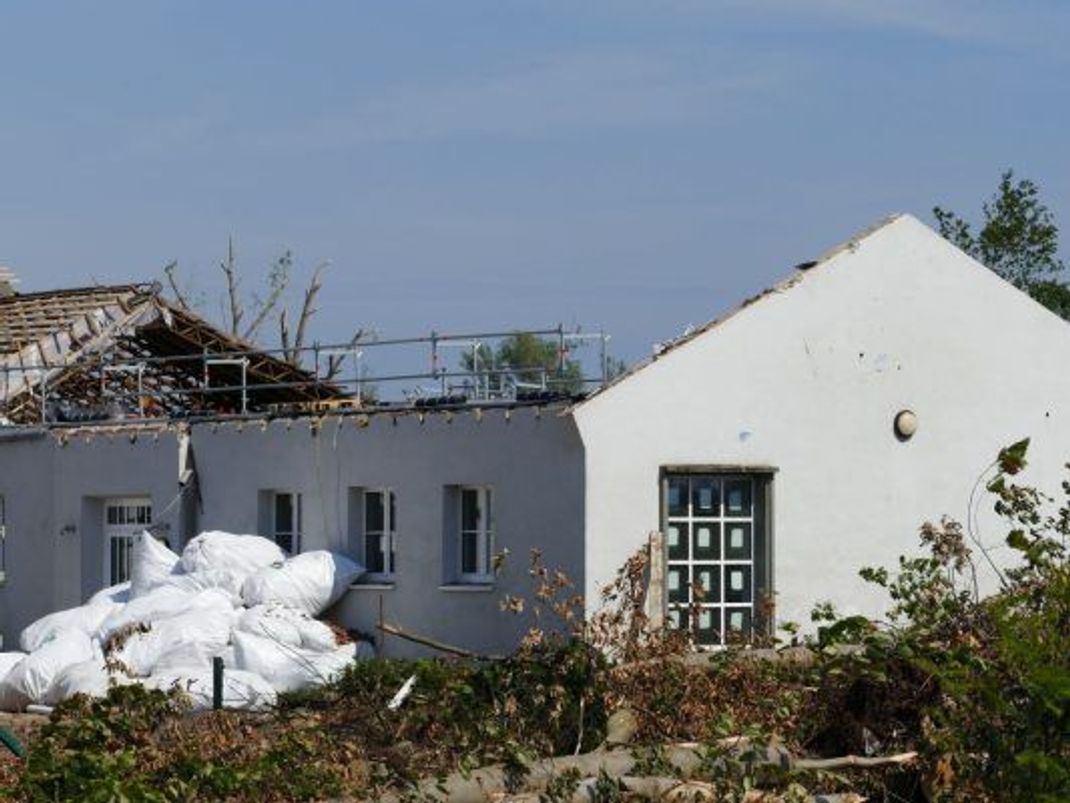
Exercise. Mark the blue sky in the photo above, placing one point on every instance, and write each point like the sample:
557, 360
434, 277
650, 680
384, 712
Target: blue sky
626, 164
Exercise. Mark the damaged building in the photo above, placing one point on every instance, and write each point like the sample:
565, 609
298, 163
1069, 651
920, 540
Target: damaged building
776, 450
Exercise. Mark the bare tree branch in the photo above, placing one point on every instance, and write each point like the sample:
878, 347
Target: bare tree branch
230, 270
336, 361
284, 336
307, 311
278, 279
180, 297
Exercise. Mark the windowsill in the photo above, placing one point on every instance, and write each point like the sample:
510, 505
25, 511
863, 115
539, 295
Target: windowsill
372, 585
469, 587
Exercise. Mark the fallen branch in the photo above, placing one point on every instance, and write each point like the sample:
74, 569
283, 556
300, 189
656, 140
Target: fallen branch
394, 630
853, 761
480, 784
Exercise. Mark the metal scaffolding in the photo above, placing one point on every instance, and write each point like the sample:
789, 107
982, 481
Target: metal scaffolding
124, 383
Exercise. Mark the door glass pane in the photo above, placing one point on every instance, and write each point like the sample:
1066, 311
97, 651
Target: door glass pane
737, 497
676, 541
708, 578
737, 583
707, 626
737, 540
677, 500
678, 582
737, 620
705, 496
707, 541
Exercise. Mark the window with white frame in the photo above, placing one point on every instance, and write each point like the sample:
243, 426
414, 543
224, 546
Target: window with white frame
286, 521
124, 518
716, 553
475, 535
380, 532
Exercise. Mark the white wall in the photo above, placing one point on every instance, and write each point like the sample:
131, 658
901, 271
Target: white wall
808, 380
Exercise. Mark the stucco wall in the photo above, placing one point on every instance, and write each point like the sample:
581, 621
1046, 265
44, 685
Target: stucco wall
54, 495
808, 381
533, 461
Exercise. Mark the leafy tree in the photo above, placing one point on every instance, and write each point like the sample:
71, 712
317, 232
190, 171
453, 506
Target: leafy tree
527, 358
1018, 239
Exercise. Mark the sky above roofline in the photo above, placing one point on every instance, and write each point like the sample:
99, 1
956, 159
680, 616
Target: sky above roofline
625, 165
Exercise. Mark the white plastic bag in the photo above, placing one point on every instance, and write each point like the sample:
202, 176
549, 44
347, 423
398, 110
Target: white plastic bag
186, 639
225, 580
244, 554
31, 678
86, 677
85, 618
310, 582
150, 563
289, 668
287, 626
8, 661
163, 603
116, 593
241, 690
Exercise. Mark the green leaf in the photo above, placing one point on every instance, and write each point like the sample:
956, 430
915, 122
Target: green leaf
1012, 458
1016, 540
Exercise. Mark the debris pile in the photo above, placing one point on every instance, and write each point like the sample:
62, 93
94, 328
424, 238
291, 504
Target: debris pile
235, 597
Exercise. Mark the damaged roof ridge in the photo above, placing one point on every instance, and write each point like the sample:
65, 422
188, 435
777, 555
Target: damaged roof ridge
803, 270
144, 288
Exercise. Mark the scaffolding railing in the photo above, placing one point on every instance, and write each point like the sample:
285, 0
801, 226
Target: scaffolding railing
181, 385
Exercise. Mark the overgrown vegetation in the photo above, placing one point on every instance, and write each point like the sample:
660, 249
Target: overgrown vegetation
977, 688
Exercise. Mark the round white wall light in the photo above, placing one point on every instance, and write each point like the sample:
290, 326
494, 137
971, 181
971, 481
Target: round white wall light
906, 424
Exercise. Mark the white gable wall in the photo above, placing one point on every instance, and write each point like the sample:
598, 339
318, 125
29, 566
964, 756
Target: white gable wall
808, 381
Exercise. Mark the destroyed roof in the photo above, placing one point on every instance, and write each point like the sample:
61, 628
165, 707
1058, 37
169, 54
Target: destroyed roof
802, 270
126, 345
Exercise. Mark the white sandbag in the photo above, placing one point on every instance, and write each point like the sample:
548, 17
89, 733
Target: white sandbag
309, 582
90, 677
226, 580
289, 668
287, 626
186, 639
150, 562
163, 603
31, 678
244, 554
8, 661
241, 690
116, 593
85, 618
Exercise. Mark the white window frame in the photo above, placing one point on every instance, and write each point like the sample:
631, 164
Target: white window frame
294, 533
387, 535
117, 567
484, 534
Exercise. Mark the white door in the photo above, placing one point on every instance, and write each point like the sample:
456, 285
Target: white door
124, 518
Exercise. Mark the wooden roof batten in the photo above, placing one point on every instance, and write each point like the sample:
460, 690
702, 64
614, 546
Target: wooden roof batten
124, 345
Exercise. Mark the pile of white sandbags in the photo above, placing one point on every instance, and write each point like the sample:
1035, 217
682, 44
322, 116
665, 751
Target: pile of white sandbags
236, 597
